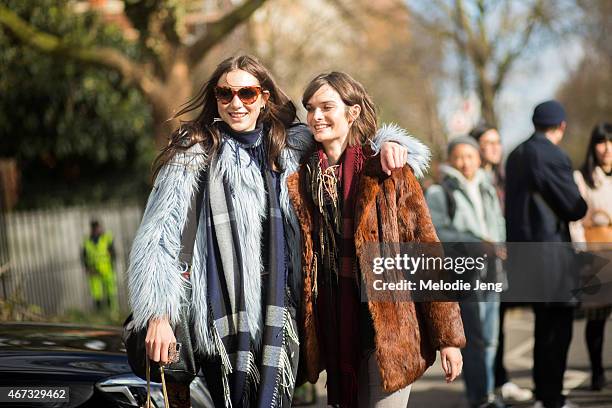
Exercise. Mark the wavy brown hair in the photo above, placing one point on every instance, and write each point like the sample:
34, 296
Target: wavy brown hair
278, 114
352, 93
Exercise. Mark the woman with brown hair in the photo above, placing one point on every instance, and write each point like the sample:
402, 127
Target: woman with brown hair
243, 278
371, 351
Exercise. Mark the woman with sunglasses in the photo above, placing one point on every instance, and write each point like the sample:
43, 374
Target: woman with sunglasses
371, 351
245, 268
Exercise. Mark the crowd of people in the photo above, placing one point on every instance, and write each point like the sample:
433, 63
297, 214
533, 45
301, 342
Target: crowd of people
544, 201
287, 212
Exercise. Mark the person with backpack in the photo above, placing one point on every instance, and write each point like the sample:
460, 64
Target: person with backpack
465, 208
491, 153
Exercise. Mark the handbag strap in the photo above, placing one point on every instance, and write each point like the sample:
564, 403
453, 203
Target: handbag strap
191, 224
164, 389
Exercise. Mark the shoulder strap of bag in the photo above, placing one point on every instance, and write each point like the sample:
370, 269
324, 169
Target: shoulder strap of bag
451, 204
191, 224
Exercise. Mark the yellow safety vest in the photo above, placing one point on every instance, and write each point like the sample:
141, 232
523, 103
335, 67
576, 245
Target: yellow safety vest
97, 255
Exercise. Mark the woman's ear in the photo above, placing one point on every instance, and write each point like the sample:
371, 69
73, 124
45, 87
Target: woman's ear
265, 95
354, 112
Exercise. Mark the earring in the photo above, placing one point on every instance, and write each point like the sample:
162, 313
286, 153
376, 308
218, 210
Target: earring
263, 108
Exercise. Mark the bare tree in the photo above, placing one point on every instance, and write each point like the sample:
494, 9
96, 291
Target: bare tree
587, 92
373, 41
164, 72
489, 37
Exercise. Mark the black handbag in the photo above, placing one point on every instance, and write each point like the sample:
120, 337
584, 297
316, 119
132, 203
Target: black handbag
184, 364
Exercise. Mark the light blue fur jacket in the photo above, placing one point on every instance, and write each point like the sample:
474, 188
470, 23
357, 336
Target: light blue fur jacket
155, 283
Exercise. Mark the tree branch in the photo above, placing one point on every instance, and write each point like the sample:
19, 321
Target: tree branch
217, 30
470, 43
347, 13
156, 22
483, 37
441, 5
434, 27
511, 56
101, 56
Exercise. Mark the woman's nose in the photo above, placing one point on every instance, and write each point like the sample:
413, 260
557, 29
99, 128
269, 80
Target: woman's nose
236, 102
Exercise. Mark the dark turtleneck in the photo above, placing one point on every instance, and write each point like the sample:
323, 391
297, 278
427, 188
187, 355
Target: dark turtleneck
252, 141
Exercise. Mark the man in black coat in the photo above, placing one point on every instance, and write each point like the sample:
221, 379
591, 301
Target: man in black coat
541, 198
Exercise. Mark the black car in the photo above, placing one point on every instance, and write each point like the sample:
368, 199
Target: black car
90, 361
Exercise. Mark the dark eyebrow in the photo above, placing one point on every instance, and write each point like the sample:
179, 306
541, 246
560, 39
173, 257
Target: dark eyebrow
324, 103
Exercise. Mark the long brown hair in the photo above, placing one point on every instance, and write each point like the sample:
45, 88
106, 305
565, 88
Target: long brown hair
278, 114
352, 93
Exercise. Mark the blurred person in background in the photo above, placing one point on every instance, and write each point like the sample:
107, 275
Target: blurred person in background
465, 208
491, 153
244, 142
345, 203
98, 257
541, 199
594, 180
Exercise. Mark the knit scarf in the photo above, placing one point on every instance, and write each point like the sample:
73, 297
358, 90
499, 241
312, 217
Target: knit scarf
251, 375
333, 190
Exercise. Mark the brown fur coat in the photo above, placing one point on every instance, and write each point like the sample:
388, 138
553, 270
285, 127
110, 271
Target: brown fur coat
407, 334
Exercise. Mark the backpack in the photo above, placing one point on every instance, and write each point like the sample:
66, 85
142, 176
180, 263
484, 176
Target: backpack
448, 186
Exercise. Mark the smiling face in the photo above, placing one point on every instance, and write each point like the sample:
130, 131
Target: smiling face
328, 116
466, 159
239, 116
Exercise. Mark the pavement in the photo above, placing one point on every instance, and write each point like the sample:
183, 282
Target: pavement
432, 391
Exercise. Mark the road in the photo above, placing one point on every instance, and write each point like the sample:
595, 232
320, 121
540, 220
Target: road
432, 391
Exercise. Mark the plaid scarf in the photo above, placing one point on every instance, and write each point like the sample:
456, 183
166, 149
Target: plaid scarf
250, 375
333, 190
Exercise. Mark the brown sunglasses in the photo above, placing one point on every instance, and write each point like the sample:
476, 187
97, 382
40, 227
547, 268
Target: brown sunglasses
247, 94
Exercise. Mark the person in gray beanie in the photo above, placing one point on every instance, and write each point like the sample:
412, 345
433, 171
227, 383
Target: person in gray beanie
541, 199
465, 207
456, 141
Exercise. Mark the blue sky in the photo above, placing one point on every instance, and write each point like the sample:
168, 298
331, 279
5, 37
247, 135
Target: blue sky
531, 83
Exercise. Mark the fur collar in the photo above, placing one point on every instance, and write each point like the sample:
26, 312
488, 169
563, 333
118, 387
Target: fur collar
419, 154
154, 276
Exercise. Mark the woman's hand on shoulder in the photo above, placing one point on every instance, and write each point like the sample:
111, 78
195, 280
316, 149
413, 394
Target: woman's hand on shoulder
392, 156
159, 337
452, 362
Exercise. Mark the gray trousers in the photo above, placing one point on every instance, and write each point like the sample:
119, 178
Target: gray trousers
371, 393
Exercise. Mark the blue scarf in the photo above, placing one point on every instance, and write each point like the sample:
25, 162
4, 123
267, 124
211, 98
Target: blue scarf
250, 375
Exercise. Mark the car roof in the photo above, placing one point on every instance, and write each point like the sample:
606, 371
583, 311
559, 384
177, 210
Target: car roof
60, 337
